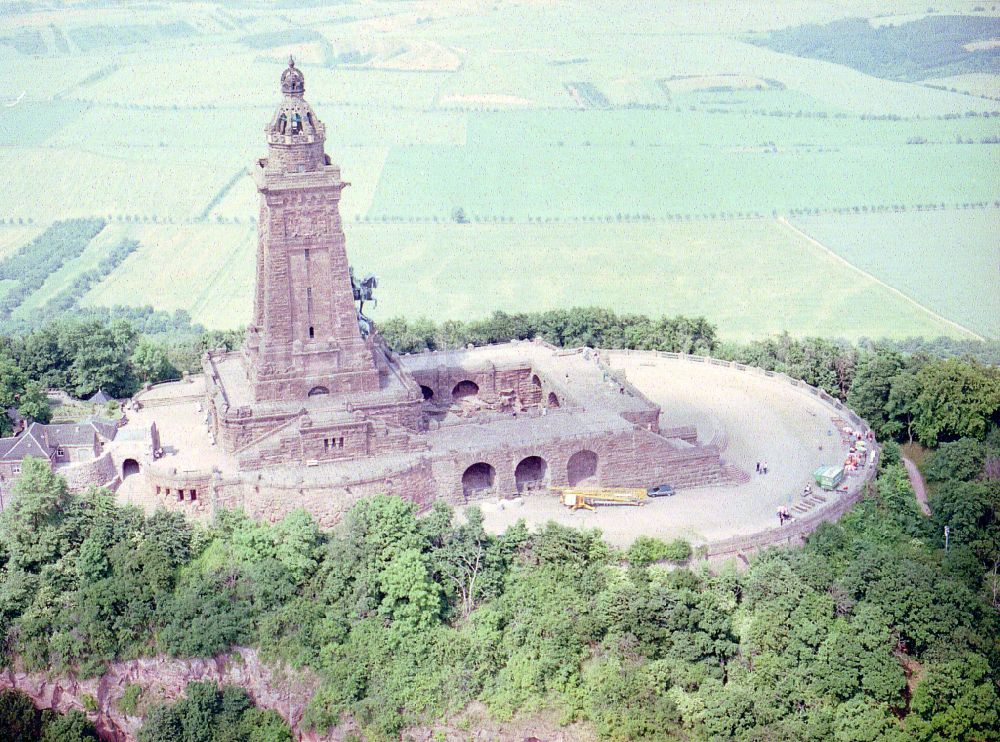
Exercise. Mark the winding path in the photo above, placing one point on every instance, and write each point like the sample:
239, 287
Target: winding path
917, 482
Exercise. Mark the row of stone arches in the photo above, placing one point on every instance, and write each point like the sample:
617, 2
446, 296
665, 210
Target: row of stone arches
531, 473
464, 388
469, 388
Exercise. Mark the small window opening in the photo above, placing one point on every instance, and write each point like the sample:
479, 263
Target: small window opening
282, 123
194, 495
180, 495
312, 332
296, 123
326, 444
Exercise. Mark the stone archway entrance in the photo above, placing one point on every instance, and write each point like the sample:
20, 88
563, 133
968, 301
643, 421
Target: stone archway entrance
317, 390
129, 467
466, 388
553, 400
531, 474
582, 468
427, 392
478, 479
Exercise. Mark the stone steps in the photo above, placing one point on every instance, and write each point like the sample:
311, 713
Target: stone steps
735, 474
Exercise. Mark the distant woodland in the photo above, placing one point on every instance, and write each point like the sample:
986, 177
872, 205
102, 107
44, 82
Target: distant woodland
933, 46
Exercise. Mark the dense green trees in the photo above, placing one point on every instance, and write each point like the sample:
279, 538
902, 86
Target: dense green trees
211, 714
869, 632
20, 721
564, 327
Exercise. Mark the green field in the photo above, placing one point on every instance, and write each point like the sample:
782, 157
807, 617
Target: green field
625, 196
752, 278
205, 269
926, 256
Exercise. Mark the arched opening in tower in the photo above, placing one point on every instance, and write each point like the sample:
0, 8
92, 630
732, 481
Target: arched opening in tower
582, 468
531, 474
465, 388
478, 479
553, 400
427, 392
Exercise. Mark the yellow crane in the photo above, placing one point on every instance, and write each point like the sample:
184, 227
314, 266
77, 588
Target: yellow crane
585, 498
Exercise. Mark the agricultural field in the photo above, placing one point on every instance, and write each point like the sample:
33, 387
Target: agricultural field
207, 270
627, 159
782, 281
926, 256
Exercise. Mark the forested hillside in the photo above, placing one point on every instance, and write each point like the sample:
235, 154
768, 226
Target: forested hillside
872, 631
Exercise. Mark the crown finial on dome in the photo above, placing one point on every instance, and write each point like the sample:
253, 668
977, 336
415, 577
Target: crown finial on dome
292, 80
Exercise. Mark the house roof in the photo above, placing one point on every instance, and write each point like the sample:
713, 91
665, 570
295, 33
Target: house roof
42, 440
100, 397
32, 442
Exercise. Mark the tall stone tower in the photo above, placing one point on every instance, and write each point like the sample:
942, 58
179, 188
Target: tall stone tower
305, 339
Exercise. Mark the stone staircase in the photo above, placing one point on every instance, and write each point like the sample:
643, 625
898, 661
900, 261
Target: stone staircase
735, 474
721, 440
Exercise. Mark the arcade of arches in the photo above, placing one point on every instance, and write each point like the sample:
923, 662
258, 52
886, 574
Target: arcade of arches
532, 473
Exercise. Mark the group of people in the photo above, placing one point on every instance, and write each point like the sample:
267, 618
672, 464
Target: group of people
783, 515
762, 467
860, 444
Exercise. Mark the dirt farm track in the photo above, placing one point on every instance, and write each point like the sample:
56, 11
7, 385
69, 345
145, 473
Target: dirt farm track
754, 416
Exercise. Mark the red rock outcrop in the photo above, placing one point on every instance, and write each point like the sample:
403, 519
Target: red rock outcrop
284, 690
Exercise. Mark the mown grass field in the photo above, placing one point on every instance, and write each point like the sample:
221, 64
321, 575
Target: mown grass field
207, 270
752, 278
438, 106
926, 256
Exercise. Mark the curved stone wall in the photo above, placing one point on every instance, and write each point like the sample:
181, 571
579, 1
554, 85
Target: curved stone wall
796, 532
95, 473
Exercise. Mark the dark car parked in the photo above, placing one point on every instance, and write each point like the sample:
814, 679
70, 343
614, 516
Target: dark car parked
660, 490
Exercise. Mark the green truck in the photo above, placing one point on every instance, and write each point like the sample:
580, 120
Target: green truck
829, 477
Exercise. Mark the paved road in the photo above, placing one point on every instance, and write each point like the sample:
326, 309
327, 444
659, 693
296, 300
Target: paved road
917, 482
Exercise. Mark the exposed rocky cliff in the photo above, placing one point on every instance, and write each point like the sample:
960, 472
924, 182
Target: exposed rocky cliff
284, 690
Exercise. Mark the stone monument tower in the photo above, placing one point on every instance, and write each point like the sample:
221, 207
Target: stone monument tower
305, 339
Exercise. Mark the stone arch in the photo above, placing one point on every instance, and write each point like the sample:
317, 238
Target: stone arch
316, 390
465, 388
553, 400
531, 473
478, 479
427, 392
129, 467
582, 468
535, 381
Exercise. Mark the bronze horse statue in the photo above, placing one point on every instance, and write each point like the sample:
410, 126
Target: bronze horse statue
364, 290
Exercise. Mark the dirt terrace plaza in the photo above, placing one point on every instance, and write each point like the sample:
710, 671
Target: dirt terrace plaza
752, 417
